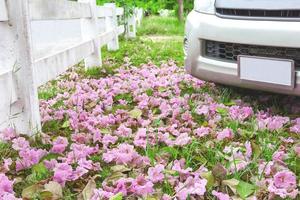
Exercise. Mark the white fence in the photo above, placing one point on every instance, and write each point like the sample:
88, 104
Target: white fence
39, 40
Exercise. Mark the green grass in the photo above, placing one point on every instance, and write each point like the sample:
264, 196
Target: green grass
155, 25
143, 50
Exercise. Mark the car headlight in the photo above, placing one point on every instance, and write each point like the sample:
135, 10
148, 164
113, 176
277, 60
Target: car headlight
205, 6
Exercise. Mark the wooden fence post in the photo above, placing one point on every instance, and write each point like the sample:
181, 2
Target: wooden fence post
26, 109
88, 31
131, 25
111, 23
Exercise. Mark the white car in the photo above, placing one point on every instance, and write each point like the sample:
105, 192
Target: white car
246, 43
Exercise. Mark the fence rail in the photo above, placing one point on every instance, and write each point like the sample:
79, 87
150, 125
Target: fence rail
41, 39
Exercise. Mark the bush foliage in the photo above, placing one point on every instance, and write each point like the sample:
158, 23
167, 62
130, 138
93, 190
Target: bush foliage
151, 6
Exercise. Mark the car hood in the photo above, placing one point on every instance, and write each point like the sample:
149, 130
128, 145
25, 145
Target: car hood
259, 4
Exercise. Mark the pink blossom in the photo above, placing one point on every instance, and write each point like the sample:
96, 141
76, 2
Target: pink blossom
202, 131
141, 186
284, 184
123, 131
156, 173
192, 186
5, 184
182, 139
179, 166
248, 149
20, 143
6, 164
59, 145
225, 134
140, 139
7, 134
295, 128
62, 173
220, 195
240, 113
29, 157
109, 139
279, 156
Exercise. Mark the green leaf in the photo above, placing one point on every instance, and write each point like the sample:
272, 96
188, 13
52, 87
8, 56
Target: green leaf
46, 195
230, 103
222, 111
136, 113
245, 189
118, 196
55, 189
31, 191
256, 150
40, 171
210, 179
232, 184
66, 124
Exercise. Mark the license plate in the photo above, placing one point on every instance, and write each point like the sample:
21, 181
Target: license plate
267, 70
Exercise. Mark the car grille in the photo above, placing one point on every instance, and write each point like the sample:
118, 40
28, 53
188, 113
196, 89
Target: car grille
259, 13
230, 51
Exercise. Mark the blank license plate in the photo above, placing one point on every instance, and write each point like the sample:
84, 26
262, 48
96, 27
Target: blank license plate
267, 70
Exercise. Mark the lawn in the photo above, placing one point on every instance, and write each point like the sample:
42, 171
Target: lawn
140, 128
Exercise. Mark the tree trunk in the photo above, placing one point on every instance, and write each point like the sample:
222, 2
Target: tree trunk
180, 10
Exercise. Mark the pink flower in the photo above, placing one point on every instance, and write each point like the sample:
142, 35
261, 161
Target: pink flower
140, 139
109, 139
182, 139
279, 156
202, 110
5, 184
202, 131
123, 131
285, 179
7, 134
6, 164
192, 186
29, 157
295, 128
248, 149
62, 173
240, 113
179, 167
124, 154
225, 134
156, 173
220, 195
20, 143
284, 185
59, 145
141, 186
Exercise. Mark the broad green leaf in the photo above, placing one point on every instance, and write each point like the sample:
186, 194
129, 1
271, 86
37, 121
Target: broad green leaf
66, 124
120, 168
222, 111
135, 113
245, 189
88, 191
230, 103
232, 184
105, 131
40, 171
31, 191
118, 196
210, 179
55, 189
256, 150
46, 195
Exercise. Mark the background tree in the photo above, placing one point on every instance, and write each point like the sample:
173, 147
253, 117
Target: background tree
180, 10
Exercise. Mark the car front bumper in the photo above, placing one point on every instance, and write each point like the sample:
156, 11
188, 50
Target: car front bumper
201, 27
